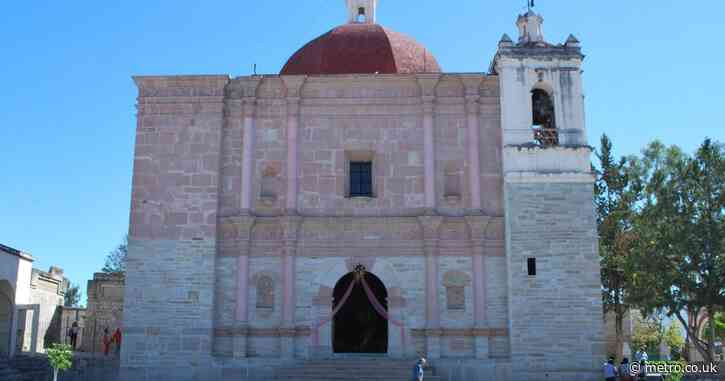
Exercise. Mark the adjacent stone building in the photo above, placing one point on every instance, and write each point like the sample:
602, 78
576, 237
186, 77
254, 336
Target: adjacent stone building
29, 299
104, 311
365, 201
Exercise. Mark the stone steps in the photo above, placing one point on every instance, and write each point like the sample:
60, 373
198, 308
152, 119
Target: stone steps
29, 368
7, 373
363, 369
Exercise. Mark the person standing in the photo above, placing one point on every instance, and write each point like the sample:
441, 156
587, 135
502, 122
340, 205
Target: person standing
74, 329
625, 371
610, 371
106, 340
117, 338
641, 355
418, 371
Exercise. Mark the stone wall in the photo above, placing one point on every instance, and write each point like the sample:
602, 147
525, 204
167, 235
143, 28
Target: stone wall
342, 242
105, 309
47, 289
555, 316
169, 296
198, 229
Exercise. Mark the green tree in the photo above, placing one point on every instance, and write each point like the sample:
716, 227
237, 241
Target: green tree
60, 357
647, 334
679, 267
674, 340
719, 326
613, 201
72, 296
116, 259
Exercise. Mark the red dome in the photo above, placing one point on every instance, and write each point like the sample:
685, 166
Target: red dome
361, 49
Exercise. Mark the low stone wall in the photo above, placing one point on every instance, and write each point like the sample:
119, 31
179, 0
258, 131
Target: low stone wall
85, 368
105, 309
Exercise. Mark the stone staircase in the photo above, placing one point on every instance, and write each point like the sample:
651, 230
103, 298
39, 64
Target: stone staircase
6, 372
355, 369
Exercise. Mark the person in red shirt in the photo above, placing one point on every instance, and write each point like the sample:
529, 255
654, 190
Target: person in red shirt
117, 338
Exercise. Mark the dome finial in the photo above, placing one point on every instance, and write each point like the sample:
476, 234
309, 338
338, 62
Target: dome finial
362, 11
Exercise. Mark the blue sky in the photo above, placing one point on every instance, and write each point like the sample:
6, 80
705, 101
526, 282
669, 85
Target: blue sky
67, 115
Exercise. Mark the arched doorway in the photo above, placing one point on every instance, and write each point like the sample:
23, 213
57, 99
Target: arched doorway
357, 327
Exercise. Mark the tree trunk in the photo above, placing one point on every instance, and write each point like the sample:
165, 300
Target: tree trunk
692, 332
55, 374
619, 333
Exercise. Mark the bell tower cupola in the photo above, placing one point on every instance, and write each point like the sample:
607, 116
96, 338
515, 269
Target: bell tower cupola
362, 11
530, 27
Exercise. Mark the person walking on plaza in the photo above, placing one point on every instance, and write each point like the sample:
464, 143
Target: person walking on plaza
418, 371
106, 341
117, 338
625, 371
610, 371
641, 355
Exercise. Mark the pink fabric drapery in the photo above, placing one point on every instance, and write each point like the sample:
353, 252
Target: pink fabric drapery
379, 308
341, 303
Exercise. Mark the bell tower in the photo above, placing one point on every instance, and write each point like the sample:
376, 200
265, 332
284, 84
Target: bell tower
362, 11
551, 232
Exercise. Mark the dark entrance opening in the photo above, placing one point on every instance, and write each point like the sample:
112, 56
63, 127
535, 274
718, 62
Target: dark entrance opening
357, 327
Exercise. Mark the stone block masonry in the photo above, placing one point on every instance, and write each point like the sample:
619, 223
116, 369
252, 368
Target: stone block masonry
169, 303
555, 317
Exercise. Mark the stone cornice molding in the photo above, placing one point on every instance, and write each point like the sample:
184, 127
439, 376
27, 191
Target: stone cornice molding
543, 177
300, 331
173, 85
430, 227
460, 332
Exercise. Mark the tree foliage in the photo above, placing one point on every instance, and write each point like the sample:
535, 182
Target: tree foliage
719, 326
613, 201
647, 334
674, 340
116, 259
72, 296
678, 263
60, 356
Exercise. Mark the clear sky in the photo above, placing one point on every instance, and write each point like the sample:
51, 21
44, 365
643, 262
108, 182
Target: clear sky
654, 69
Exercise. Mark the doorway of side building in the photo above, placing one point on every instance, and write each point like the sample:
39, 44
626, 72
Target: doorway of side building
6, 317
357, 327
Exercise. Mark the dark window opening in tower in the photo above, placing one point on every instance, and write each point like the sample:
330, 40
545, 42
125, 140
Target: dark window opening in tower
361, 17
545, 133
361, 179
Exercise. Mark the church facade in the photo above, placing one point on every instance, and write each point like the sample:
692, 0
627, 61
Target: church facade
363, 201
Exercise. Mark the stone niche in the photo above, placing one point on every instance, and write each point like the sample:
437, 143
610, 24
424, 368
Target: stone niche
455, 283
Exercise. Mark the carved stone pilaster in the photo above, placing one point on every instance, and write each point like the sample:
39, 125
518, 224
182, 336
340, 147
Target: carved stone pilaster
241, 333
472, 105
478, 226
